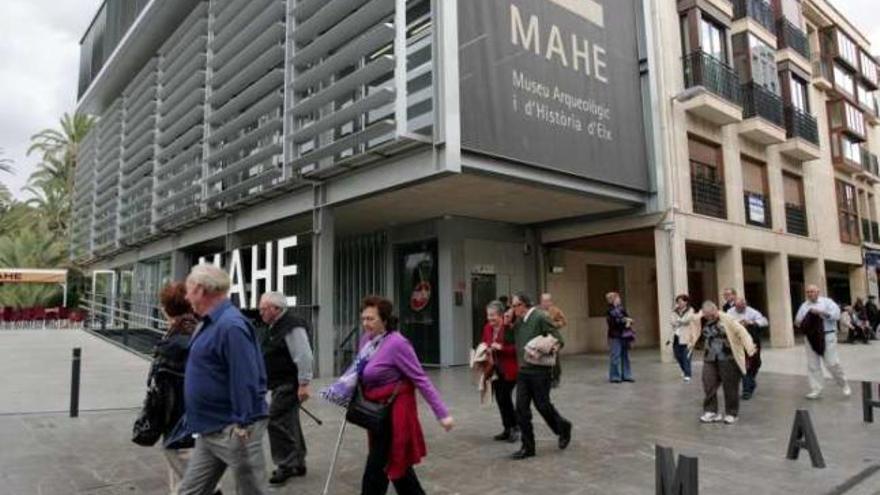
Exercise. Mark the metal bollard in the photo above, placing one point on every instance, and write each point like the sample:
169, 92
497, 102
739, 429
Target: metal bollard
868, 402
74, 382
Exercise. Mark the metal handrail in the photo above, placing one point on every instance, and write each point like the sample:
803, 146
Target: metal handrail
758, 101
791, 36
758, 10
702, 69
800, 124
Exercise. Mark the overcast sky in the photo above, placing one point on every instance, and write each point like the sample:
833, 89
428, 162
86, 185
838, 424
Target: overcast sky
39, 57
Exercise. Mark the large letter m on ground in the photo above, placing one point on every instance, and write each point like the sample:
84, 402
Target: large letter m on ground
672, 479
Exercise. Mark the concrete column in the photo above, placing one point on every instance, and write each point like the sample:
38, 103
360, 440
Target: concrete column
180, 265
323, 253
858, 283
733, 182
729, 269
778, 300
814, 274
671, 264
777, 193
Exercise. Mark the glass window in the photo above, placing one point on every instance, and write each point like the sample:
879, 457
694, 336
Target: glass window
854, 119
848, 216
712, 39
868, 67
764, 68
799, 98
791, 10
846, 49
844, 81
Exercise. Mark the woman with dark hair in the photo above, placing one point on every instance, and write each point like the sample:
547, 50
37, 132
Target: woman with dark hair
682, 314
169, 363
387, 369
499, 337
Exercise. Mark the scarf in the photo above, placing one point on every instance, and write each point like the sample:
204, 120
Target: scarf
342, 390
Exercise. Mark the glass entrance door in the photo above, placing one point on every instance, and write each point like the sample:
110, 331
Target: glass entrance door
418, 298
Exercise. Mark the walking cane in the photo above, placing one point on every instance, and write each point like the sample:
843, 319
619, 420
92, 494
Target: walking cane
309, 414
335, 456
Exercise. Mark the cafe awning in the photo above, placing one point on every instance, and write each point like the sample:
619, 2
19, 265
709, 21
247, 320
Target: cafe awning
32, 276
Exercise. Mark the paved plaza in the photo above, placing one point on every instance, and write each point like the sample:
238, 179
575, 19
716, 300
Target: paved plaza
615, 430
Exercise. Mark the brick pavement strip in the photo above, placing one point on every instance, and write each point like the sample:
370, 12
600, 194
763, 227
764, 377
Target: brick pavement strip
616, 429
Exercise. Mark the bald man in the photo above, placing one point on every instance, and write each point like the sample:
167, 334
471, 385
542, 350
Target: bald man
829, 312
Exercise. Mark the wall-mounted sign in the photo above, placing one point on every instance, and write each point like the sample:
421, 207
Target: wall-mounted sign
483, 270
757, 213
258, 269
555, 84
32, 276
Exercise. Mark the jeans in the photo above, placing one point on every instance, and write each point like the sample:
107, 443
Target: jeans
503, 390
832, 363
285, 433
534, 385
620, 367
214, 452
721, 374
682, 356
375, 480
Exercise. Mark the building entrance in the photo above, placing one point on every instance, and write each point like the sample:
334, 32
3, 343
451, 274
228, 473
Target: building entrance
418, 298
483, 291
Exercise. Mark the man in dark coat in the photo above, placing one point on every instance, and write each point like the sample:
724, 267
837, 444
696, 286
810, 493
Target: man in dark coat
288, 356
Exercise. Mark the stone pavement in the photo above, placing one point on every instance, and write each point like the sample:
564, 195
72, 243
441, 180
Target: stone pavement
616, 428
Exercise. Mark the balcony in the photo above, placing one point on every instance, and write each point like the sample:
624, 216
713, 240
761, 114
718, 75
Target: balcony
802, 132
868, 71
757, 11
870, 171
796, 220
757, 209
708, 197
793, 45
762, 115
715, 90
822, 76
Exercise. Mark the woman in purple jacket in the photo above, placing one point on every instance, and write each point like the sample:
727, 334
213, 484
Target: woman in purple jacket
391, 366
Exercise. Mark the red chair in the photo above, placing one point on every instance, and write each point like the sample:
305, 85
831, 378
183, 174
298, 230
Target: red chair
63, 316
51, 318
15, 317
38, 317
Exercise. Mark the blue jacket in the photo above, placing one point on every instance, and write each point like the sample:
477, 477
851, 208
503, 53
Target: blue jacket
225, 380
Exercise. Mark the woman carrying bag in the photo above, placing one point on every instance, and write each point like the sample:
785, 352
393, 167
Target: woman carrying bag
386, 373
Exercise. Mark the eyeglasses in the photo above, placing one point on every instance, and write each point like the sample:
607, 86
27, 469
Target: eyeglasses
518, 304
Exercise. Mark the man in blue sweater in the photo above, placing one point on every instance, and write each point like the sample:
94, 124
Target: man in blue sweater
224, 391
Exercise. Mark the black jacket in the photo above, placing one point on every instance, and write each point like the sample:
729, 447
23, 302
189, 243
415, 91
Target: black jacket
169, 364
280, 368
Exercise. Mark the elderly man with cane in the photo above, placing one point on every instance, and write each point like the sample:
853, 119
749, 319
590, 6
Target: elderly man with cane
288, 356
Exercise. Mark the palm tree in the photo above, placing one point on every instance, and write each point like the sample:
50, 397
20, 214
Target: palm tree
5, 193
62, 146
32, 247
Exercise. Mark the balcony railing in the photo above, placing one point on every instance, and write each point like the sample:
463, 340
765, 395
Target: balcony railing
757, 209
759, 10
796, 219
875, 232
801, 125
791, 36
702, 69
760, 102
708, 197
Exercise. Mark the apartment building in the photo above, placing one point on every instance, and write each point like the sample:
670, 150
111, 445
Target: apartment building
445, 153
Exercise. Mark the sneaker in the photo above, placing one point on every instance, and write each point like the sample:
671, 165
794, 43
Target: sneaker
815, 394
710, 417
847, 391
687, 379
729, 420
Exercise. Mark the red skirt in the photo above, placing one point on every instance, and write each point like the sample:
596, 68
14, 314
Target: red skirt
407, 446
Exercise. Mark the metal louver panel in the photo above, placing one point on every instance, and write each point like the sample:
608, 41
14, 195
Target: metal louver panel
84, 196
245, 108
106, 221
183, 63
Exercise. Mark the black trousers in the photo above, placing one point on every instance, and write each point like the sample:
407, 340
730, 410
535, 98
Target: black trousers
534, 385
375, 480
503, 390
286, 439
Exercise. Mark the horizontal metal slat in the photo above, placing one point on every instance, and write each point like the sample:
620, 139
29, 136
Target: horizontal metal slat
347, 114
269, 102
350, 27
272, 81
190, 94
244, 186
254, 71
306, 8
349, 55
361, 77
331, 13
257, 15
252, 62
196, 22
183, 70
185, 140
231, 148
266, 153
358, 138
179, 160
192, 118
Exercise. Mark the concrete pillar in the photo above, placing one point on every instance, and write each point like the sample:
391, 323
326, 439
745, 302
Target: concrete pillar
729, 269
778, 300
814, 274
858, 283
733, 181
323, 283
180, 265
671, 264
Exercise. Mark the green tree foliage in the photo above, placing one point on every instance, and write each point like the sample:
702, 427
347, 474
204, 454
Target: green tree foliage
36, 233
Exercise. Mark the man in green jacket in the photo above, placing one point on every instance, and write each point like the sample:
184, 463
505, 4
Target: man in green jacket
534, 381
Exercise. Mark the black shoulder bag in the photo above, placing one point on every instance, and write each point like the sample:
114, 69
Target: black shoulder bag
149, 424
370, 415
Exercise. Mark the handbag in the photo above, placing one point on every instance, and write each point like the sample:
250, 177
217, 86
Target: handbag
149, 424
628, 334
370, 415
